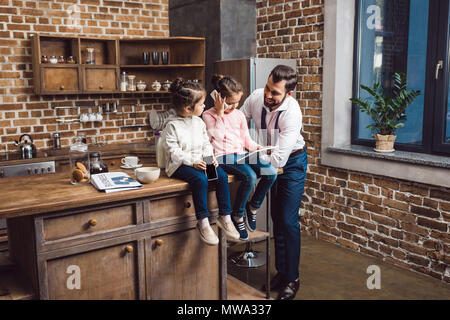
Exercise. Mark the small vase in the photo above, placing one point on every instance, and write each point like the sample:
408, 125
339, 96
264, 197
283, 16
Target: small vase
384, 143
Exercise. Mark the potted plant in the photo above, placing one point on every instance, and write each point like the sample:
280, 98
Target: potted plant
387, 111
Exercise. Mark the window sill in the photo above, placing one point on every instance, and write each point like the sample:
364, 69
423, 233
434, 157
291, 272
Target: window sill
409, 166
400, 156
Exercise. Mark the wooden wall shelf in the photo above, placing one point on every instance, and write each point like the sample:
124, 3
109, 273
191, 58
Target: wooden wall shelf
113, 56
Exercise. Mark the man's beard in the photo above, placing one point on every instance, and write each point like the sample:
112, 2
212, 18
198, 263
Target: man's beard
273, 106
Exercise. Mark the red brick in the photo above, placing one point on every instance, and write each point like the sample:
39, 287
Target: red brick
432, 224
440, 194
386, 183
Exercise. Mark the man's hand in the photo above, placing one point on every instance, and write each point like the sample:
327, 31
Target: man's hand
215, 163
219, 104
200, 165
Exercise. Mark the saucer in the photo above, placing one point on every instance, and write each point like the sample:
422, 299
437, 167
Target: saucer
128, 167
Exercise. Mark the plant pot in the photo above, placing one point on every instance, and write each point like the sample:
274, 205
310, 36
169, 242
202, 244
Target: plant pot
384, 143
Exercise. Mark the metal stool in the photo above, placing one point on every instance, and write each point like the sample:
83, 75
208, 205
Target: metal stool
248, 258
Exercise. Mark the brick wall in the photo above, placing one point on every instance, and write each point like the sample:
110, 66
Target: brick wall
400, 222
21, 111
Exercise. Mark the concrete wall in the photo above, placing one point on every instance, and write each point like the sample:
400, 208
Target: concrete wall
229, 27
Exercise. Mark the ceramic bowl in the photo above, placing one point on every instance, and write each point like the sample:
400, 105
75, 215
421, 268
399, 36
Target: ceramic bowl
147, 174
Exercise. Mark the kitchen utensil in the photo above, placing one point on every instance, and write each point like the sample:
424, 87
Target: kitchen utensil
97, 165
90, 56
166, 85
147, 174
56, 141
146, 57
131, 83
141, 85
123, 81
84, 117
79, 161
27, 148
155, 58
156, 85
165, 57
130, 161
71, 60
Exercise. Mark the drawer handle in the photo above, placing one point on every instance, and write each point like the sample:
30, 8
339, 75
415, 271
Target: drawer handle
101, 87
159, 242
92, 222
129, 249
61, 88
187, 204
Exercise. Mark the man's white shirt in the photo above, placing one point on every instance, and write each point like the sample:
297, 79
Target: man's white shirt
289, 137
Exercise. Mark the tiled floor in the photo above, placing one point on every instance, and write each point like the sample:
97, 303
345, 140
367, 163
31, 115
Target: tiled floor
330, 272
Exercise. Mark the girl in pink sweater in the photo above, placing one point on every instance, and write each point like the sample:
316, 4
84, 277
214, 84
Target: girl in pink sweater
229, 136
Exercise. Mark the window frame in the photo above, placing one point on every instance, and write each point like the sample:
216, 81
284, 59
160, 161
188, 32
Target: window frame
338, 68
432, 123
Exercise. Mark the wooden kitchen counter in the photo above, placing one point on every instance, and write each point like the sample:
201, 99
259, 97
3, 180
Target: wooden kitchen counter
136, 244
29, 195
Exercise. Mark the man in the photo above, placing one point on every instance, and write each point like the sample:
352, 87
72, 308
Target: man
278, 114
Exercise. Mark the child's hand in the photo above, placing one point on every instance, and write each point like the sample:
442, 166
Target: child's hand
200, 165
219, 104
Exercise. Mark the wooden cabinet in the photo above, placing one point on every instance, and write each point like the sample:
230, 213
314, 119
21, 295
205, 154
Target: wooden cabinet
100, 79
186, 59
181, 266
60, 79
146, 248
106, 273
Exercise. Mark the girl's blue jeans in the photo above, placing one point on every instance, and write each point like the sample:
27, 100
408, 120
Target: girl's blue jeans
199, 185
248, 173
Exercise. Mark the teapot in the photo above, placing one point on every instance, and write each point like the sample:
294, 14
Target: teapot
27, 148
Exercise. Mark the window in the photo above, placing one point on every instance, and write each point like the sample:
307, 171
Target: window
409, 36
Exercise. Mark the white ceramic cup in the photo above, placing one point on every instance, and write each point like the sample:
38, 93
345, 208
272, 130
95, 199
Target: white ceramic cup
98, 116
147, 174
84, 117
130, 161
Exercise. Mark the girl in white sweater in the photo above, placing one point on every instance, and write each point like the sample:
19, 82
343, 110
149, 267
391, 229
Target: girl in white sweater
186, 144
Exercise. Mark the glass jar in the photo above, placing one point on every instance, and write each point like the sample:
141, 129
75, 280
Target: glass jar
131, 83
61, 59
90, 56
97, 165
53, 60
80, 165
71, 60
123, 81
44, 59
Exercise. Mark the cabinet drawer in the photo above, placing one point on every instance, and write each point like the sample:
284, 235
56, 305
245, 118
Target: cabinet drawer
88, 222
60, 79
107, 273
100, 79
177, 206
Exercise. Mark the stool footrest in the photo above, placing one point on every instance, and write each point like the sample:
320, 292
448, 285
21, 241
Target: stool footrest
255, 236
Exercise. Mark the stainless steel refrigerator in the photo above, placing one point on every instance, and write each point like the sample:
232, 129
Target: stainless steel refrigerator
252, 73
